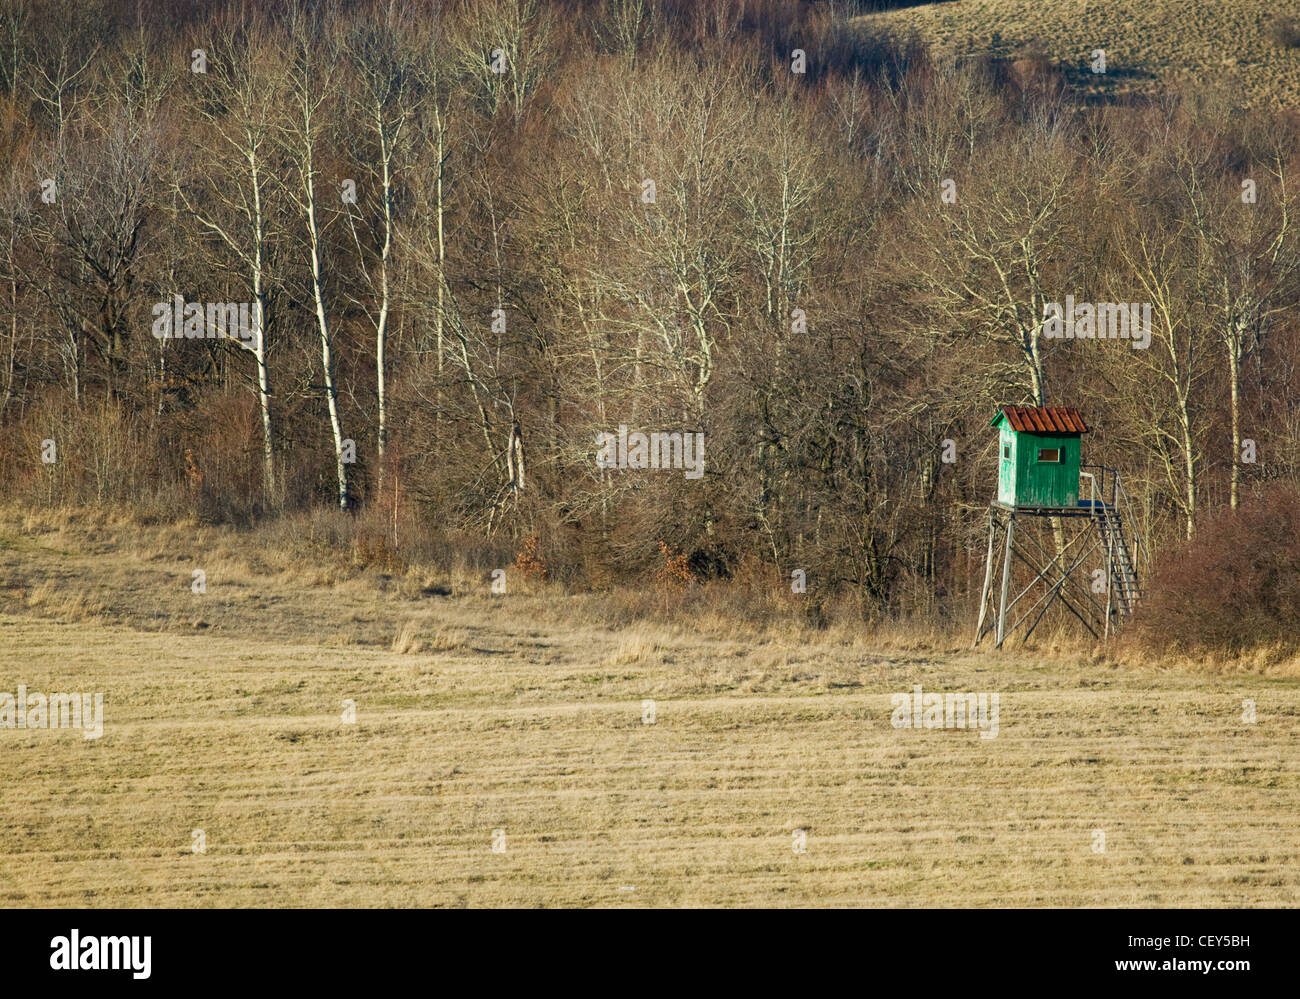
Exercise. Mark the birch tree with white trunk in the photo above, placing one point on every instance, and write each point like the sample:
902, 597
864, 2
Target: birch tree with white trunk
311, 84
236, 183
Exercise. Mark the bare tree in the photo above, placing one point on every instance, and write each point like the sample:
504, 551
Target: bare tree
1176, 358
506, 47
1247, 264
385, 102
311, 81
102, 163
241, 105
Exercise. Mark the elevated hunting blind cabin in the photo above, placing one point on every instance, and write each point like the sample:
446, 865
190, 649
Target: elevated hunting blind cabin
1038, 451
1040, 477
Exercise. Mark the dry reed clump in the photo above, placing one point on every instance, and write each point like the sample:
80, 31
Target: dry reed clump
411, 641
43, 595
448, 639
51, 599
407, 642
637, 646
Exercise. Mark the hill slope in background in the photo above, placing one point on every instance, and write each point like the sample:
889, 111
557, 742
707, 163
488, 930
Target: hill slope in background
1147, 42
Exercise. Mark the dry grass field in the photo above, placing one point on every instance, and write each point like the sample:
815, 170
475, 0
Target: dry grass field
1147, 42
523, 713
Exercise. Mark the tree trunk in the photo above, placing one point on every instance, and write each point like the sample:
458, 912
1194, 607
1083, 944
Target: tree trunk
322, 322
259, 350
1234, 378
381, 332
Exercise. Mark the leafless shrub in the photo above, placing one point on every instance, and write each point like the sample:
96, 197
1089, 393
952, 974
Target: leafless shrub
1234, 587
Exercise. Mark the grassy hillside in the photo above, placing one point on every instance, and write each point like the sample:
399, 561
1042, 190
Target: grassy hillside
1146, 41
524, 713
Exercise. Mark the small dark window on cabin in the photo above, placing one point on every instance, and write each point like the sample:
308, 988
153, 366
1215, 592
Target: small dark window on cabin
1049, 455
1006, 451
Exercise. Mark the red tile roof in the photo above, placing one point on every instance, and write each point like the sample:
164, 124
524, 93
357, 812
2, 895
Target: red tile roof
1044, 420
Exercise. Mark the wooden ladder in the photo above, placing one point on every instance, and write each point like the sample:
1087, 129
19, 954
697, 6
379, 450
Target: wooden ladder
1119, 557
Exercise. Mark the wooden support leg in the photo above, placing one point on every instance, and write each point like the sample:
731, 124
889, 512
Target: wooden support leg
988, 580
1006, 579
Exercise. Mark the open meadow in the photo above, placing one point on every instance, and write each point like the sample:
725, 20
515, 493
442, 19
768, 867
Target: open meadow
526, 713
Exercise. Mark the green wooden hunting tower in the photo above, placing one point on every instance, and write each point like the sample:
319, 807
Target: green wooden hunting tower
1089, 563
1038, 457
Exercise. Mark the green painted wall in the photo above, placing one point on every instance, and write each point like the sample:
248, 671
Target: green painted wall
1046, 483
1006, 466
